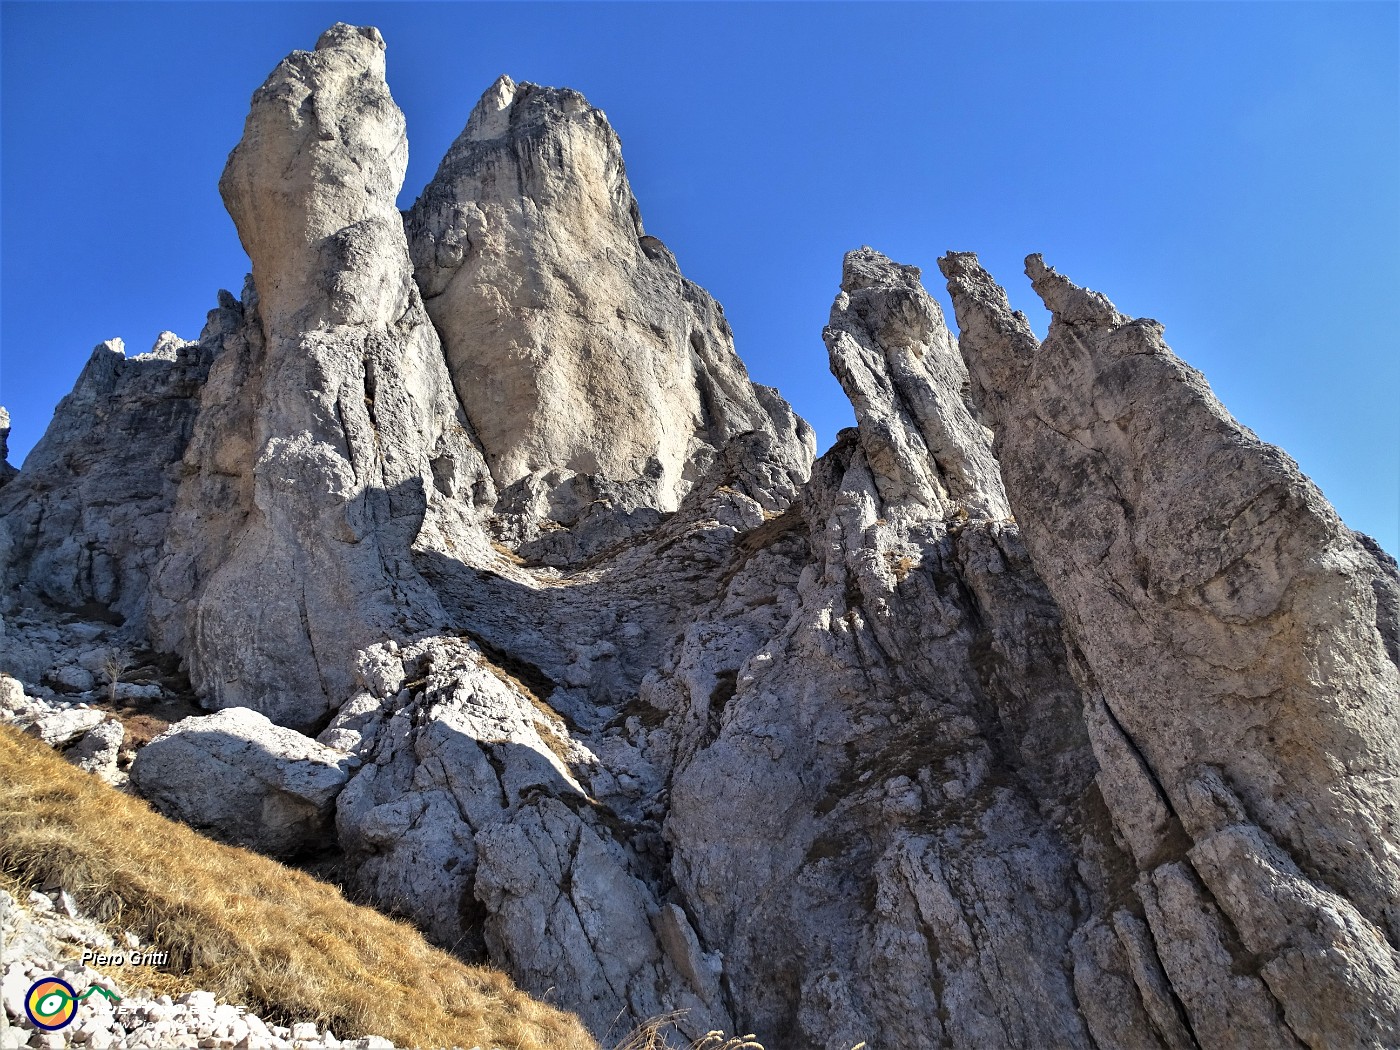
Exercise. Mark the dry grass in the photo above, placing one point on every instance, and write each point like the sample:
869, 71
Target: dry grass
247, 928
901, 566
652, 1036
552, 730
508, 554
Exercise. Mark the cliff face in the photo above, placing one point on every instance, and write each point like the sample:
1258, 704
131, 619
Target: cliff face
556, 310
626, 694
1235, 644
85, 523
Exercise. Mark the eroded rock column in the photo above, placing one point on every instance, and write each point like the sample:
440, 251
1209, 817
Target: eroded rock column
357, 443
601, 382
1231, 637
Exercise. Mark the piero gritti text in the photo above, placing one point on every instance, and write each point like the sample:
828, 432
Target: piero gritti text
131, 958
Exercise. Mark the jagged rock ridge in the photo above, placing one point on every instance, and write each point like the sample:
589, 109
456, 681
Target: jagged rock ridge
614, 686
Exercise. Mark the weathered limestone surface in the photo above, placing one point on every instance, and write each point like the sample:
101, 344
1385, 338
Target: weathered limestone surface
1236, 642
348, 442
614, 688
851, 814
468, 817
83, 524
900, 367
557, 310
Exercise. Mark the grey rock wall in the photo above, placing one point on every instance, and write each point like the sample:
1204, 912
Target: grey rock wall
83, 525
1049, 707
1230, 634
556, 309
333, 439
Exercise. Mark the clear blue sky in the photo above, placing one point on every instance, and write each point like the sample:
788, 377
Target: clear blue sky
1231, 170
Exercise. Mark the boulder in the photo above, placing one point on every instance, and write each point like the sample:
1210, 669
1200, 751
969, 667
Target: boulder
244, 780
60, 728
97, 750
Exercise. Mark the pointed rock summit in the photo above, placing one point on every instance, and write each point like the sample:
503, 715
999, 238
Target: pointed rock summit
351, 442
1233, 639
592, 371
899, 365
1049, 707
6, 471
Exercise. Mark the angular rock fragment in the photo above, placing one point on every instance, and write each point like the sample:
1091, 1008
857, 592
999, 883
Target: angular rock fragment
61, 728
96, 752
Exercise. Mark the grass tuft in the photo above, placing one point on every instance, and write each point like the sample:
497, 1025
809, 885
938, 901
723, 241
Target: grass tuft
652, 1036
247, 928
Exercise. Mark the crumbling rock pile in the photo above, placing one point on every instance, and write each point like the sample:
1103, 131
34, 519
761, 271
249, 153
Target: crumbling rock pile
1049, 707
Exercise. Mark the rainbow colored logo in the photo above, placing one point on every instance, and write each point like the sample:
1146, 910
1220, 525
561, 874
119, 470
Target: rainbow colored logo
51, 1003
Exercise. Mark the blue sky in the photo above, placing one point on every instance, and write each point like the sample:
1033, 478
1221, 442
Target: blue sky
1231, 170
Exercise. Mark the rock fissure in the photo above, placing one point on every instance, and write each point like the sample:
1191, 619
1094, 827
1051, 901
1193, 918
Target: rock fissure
617, 685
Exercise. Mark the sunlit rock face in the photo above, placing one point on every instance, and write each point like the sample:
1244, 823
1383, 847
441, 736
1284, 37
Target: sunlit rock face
330, 422
1236, 644
599, 380
1048, 708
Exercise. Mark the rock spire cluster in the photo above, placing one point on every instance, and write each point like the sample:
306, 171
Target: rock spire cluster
1048, 707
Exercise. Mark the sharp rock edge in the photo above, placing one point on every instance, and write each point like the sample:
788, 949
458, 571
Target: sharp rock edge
1049, 707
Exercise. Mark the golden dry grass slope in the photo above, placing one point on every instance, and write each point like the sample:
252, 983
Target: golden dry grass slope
247, 928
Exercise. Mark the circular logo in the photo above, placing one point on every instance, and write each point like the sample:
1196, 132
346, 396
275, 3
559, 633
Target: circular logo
51, 1003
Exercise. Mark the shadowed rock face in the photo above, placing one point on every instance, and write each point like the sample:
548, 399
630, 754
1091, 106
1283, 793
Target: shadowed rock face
877, 813
1230, 634
6, 471
620, 691
84, 524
